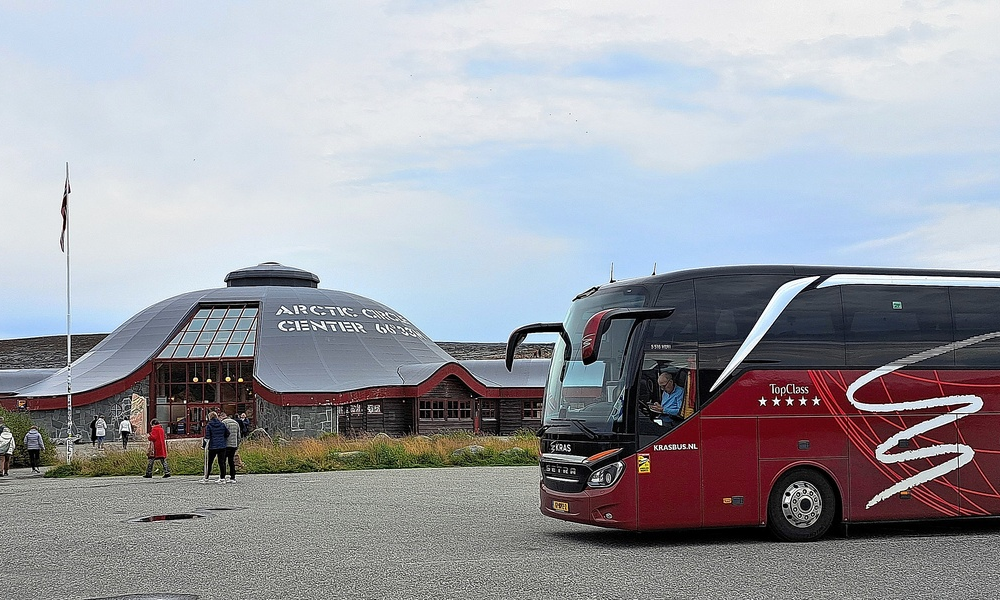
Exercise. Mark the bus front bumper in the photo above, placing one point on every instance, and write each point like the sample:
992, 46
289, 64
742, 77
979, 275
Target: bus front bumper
604, 507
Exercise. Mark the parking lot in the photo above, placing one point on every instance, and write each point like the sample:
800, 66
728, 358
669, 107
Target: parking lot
434, 533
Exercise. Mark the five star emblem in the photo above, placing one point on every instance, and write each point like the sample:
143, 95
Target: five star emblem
803, 401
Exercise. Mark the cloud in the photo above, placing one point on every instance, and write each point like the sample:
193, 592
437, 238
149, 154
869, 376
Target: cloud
949, 237
493, 153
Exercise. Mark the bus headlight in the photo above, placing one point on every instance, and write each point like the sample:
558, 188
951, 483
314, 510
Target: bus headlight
607, 475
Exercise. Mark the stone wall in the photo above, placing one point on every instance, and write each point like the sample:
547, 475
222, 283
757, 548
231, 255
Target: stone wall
293, 422
114, 409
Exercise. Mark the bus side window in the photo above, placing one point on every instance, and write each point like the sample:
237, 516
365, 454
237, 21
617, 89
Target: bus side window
725, 325
681, 326
679, 367
727, 309
808, 332
975, 312
885, 323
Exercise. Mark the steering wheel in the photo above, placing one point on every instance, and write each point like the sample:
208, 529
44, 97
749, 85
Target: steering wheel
645, 409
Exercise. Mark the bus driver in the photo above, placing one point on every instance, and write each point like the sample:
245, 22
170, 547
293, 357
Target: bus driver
672, 395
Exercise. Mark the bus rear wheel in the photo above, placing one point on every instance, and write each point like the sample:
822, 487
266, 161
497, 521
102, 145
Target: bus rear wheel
801, 506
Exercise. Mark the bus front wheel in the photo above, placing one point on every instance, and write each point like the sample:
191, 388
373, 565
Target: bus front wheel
801, 506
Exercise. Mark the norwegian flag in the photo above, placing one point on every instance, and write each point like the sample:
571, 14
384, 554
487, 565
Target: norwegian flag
65, 212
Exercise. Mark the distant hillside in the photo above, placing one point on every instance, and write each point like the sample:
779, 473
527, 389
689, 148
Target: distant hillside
487, 350
44, 352
50, 351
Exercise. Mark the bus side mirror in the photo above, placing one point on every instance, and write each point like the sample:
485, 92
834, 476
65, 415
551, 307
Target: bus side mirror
517, 336
598, 325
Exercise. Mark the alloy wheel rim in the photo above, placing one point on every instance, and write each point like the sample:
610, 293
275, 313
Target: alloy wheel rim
801, 504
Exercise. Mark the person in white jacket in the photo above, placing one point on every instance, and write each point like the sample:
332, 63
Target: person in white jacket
102, 430
7, 446
125, 429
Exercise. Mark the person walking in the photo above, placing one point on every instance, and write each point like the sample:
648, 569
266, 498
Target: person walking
157, 450
215, 440
125, 429
6, 448
100, 430
232, 443
34, 443
93, 431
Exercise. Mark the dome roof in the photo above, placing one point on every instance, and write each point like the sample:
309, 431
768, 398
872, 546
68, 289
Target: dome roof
271, 274
308, 339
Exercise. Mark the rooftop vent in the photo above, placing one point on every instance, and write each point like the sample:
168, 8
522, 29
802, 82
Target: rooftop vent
271, 274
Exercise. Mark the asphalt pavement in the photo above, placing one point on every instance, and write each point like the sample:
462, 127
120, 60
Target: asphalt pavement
432, 533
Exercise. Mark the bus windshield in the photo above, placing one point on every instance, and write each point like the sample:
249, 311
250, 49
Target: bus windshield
588, 397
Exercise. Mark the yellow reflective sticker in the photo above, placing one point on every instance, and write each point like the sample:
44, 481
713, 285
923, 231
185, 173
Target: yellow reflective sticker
643, 463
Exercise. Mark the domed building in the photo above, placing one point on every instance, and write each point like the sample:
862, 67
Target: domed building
297, 359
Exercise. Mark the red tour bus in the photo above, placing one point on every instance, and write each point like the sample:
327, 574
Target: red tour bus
789, 397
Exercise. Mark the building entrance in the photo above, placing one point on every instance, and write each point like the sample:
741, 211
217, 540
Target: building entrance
186, 391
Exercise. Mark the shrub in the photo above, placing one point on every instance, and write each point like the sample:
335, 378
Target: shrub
389, 455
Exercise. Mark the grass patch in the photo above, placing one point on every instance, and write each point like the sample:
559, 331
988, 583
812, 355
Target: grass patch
329, 453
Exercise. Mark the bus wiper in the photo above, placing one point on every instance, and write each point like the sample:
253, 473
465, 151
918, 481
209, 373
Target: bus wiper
583, 427
590, 433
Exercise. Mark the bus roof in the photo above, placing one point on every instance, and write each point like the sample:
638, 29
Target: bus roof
790, 270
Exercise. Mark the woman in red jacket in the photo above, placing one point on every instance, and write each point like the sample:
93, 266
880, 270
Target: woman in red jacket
157, 449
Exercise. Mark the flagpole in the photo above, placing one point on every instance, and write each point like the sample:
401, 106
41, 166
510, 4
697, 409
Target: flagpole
69, 335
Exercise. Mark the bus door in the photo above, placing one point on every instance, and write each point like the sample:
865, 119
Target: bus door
668, 480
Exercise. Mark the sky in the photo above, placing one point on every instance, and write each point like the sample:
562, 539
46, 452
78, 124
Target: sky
475, 165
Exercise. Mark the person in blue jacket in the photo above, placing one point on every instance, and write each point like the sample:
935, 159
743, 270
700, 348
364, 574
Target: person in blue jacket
216, 434
671, 397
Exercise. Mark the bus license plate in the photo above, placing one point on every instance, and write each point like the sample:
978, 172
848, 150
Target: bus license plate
560, 506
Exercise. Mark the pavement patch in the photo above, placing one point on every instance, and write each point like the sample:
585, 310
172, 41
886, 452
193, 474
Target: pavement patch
150, 597
167, 517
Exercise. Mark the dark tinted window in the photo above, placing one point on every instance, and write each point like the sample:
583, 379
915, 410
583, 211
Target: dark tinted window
681, 326
728, 308
977, 312
584, 308
809, 332
885, 323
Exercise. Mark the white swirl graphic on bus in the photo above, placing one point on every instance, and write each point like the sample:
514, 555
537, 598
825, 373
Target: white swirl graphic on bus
965, 406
